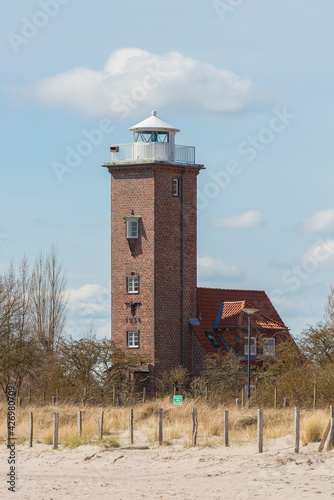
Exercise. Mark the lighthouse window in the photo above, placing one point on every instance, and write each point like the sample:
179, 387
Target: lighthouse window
132, 228
151, 136
132, 284
133, 339
175, 187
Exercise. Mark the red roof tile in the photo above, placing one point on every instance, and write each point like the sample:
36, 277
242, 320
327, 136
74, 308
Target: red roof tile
232, 315
209, 301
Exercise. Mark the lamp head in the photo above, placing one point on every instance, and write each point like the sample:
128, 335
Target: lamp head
249, 310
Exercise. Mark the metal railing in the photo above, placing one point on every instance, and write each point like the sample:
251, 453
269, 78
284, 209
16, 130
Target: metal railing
153, 151
185, 154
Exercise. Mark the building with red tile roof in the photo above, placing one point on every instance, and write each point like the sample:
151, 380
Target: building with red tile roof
221, 325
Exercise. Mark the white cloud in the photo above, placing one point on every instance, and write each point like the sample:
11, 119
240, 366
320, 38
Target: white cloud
319, 222
320, 255
134, 81
252, 218
89, 306
79, 328
88, 301
208, 267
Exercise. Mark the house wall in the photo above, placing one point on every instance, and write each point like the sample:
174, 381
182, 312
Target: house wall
235, 338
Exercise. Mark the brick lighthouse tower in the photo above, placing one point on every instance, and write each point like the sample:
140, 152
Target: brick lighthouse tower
153, 245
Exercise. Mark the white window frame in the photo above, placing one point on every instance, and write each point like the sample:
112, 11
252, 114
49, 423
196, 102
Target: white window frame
129, 228
132, 284
252, 346
175, 187
132, 339
269, 351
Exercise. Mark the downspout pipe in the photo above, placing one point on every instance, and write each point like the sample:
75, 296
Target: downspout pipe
182, 265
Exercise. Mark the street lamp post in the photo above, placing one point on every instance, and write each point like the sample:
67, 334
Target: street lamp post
249, 311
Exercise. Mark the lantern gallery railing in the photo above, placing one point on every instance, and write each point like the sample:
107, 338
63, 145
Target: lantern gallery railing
150, 151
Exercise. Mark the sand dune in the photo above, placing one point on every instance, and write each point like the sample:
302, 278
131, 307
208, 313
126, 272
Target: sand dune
171, 472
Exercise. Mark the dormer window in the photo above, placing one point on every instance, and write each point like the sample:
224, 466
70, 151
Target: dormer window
132, 227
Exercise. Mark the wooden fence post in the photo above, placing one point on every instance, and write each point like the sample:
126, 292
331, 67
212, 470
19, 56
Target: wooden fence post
31, 428
238, 402
330, 442
160, 425
44, 398
286, 403
206, 392
131, 426
57, 395
55, 430
101, 425
328, 428
79, 423
243, 398
275, 397
314, 397
8, 430
260, 430
29, 396
144, 394
226, 427
195, 426
54, 400
297, 430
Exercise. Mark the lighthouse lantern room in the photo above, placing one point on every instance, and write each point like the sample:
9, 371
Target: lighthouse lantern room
153, 140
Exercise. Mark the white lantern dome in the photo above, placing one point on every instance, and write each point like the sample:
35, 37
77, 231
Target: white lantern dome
156, 136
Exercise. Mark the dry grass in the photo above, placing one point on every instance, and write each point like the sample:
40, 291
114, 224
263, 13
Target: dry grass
177, 424
313, 425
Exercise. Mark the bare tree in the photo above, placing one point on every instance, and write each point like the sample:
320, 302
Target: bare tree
19, 351
48, 300
317, 342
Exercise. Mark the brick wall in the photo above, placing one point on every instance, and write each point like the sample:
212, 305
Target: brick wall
132, 190
146, 190
198, 356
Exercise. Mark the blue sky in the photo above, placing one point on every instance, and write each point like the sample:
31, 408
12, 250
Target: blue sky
248, 82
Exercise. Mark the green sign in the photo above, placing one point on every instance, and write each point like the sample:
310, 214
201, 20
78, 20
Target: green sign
177, 400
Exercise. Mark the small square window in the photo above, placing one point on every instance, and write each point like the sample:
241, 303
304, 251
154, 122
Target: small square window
132, 284
252, 346
269, 347
175, 187
132, 228
133, 339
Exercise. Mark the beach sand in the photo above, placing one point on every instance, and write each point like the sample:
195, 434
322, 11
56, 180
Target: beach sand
171, 472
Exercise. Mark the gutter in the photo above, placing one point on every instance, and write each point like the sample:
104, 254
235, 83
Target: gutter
182, 265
